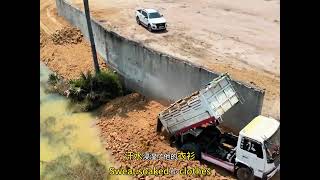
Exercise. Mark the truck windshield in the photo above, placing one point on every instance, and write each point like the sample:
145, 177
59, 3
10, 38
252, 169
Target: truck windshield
154, 15
273, 146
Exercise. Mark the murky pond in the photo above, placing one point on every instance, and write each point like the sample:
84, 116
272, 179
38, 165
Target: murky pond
69, 142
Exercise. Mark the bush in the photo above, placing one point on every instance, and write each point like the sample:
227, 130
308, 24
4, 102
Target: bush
91, 91
53, 79
56, 84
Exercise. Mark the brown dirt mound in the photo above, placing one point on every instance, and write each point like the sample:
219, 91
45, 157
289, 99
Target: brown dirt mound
67, 35
43, 39
69, 59
128, 124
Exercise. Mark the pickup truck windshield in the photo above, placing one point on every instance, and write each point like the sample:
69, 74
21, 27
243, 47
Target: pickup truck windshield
273, 146
154, 15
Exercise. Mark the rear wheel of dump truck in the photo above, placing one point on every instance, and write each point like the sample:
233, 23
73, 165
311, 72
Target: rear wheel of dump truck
244, 173
192, 148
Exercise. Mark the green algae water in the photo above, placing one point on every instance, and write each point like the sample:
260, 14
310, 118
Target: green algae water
70, 147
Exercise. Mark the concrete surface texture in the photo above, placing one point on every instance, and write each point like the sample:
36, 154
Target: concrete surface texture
245, 34
158, 75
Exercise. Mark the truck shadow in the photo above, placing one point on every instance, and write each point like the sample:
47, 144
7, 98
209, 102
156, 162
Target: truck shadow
160, 32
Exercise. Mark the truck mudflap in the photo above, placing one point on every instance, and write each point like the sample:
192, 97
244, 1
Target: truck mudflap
227, 165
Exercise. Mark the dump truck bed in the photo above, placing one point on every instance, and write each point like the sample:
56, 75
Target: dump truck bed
204, 106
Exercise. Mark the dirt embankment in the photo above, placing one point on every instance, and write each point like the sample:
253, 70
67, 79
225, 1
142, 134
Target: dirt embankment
66, 53
128, 124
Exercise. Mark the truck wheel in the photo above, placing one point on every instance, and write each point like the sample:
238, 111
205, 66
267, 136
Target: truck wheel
244, 173
138, 20
149, 28
192, 147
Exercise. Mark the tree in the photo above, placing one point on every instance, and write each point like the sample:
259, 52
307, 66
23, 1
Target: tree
93, 47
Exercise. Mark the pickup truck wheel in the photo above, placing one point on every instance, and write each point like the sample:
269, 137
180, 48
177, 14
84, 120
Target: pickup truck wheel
138, 20
192, 147
149, 28
244, 173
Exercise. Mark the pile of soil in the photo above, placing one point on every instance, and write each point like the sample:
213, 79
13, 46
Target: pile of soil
67, 35
128, 124
70, 59
43, 39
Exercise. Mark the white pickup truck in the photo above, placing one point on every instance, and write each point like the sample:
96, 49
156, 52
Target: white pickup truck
151, 19
192, 124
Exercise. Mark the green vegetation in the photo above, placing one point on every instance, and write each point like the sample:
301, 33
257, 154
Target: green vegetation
74, 166
53, 79
89, 91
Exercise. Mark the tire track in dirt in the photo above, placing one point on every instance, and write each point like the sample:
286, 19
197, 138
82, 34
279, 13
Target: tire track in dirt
52, 18
48, 23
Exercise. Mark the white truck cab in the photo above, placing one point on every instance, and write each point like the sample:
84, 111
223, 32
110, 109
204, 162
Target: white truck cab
192, 124
258, 147
151, 19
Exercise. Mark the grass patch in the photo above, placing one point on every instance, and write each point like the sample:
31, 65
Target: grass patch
53, 79
89, 91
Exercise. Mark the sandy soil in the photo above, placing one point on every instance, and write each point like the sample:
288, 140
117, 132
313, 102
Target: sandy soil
68, 59
242, 38
128, 123
244, 33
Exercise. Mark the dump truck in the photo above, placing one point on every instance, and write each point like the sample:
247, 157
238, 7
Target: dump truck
192, 124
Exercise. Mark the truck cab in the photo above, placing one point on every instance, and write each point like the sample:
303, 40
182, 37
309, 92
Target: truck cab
254, 153
258, 147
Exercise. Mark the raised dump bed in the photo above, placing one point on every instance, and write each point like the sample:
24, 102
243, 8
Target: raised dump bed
204, 106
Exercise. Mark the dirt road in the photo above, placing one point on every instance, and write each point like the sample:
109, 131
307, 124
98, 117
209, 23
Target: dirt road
68, 59
244, 34
242, 38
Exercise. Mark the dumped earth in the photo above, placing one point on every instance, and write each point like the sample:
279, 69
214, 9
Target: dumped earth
67, 36
128, 124
69, 60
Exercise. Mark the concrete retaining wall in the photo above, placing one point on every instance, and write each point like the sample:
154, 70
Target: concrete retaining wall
158, 75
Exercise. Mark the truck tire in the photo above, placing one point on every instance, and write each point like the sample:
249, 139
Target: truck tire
244, 173
149, 28
138, 20
192, 147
